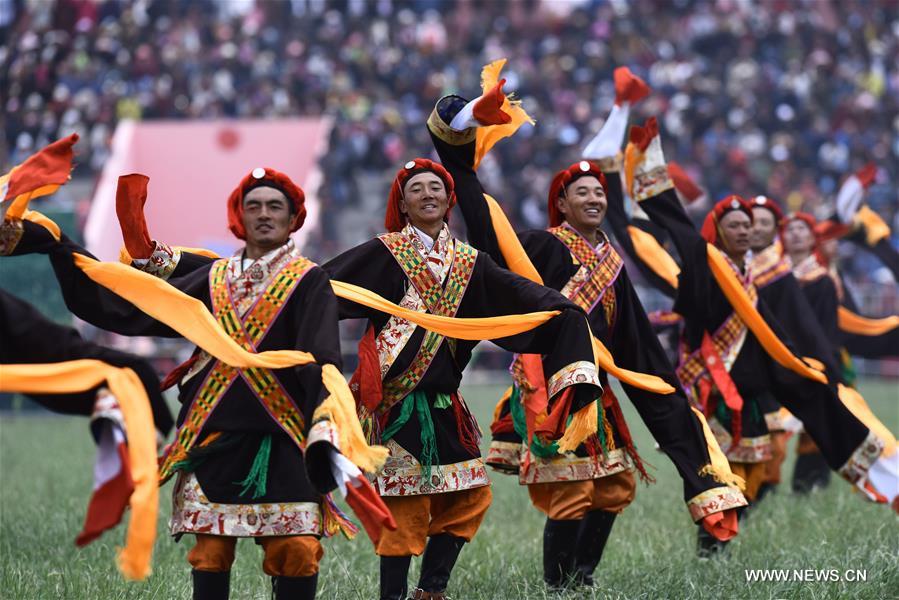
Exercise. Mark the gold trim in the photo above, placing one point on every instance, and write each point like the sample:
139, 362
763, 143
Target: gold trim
449, 135
651, 183
715, 500
609, 164
401, 475
504, 457
581, 371
750, 449
856, 468
163, 262
11, 232
192, 512
570, 467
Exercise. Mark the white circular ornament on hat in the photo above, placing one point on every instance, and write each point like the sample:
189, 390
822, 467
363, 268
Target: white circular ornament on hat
258, 173
735, 203
410, 165
761, 200
584, 166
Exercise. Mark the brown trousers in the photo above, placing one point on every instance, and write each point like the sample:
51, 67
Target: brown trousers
418, 517
571, 500
286, 556
754, 474
779, 448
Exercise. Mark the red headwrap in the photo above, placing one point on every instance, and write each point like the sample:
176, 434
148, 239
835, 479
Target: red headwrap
831, 230
266, 177
806, 218
728, 204
563, 179
395, 220
766, 202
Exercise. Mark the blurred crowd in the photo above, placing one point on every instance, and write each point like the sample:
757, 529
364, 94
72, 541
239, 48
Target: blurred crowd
783, 97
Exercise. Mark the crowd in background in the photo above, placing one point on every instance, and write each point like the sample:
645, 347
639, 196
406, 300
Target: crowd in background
784, 97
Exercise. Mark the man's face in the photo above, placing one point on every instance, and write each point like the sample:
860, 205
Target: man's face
584, 203
764, 228
424, 200
267, 218
735, 227
798, 237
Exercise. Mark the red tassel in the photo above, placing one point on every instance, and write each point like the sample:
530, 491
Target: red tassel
503, 425
628, 87
131, 195
625, 433
722, 525
366, 381
466, 426
369, 508
489, 109
178, 372
726, 386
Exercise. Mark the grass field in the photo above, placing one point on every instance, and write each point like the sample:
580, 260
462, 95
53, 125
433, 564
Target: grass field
45, 469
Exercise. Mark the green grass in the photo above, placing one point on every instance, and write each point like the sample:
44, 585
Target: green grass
45, 470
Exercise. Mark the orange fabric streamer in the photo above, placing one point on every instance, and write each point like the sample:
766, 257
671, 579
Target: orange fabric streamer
654, 255
518, 262
81, 375
857, 405
742, 305
851, 322
486, 137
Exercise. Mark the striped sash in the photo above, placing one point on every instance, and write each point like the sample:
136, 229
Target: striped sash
249, 332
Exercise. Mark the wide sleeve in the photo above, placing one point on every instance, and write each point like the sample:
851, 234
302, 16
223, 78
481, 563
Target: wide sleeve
313, 321
93, 303
564, 341
30, 338
456, 151
695, 279
668, 417
619, 221
371, 266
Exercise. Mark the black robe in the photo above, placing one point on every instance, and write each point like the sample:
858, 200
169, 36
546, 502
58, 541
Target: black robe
307, 322
704, 307
492, 291
630, 337
28, 337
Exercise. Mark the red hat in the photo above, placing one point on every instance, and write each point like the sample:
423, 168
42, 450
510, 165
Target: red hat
395, 220
264, 177
831, 230
728, 204
563, 179
806, 218
766, 202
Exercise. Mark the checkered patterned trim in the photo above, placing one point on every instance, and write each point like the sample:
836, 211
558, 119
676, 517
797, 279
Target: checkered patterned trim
809, 270
602, 269
769, 265
438, 300
247, 332
730, 332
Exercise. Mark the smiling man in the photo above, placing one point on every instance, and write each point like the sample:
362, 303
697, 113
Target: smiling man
726, 368
434, 481
582, 492
253, 457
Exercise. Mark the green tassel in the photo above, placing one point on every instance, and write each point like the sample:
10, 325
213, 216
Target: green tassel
516, 408
405, 412
428, 436
443, 401
258, 476
539, 448
601, 429
418, 401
